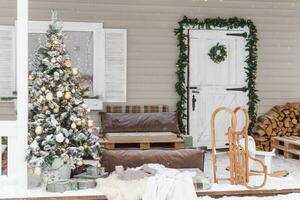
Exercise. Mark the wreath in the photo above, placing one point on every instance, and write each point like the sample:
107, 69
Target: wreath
218, 53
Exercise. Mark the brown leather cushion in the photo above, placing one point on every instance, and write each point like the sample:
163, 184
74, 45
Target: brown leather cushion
181, 158
139, 122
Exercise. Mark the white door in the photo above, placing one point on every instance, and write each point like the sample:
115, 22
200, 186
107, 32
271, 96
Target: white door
214, 85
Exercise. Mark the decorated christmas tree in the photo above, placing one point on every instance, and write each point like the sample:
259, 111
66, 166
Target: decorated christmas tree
59, 126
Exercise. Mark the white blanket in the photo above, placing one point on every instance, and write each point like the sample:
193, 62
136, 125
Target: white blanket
167, 184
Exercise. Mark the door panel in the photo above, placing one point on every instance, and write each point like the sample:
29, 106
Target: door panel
210, 81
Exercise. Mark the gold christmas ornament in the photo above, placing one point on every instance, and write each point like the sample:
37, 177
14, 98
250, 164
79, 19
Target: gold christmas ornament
73, 125
39, 81
79, 163
56, 110
78, 123
45, 108
49, 96
83, 121
38, 130
56, 41
67, 63
75, 71
67, 88
90, 123
43, 89
37, 171
53, 60
66, 158
68, 95
85, 146
30, 77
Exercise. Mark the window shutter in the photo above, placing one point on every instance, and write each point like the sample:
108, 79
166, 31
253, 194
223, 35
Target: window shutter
7, 76
115, 65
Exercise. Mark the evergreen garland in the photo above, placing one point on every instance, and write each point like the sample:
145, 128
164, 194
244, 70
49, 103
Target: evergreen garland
183, 60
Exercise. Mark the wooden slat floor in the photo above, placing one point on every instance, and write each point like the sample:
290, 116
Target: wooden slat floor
98, 197
242, 193
213, 194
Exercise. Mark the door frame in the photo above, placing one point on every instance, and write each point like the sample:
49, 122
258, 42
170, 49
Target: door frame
188, 69
182, 34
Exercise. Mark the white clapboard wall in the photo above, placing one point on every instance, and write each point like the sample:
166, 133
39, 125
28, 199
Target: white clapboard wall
7, 60
115, 65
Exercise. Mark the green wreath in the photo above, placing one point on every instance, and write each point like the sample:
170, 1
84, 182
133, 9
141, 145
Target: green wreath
218, 53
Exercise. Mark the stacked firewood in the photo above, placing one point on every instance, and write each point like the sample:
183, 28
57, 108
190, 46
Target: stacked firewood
281, 120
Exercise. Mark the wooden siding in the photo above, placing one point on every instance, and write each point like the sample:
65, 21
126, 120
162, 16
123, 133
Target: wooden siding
152, 50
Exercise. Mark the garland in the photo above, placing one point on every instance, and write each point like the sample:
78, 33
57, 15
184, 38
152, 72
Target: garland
218, 53
183, 60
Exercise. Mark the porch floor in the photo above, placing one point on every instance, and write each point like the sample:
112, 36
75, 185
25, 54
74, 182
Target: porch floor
7, 191
279, 163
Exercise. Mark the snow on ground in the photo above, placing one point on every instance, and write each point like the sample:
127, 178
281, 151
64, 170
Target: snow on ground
279, 163
295, 196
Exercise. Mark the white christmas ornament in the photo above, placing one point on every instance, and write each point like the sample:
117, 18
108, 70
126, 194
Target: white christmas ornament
34, 145
59, 94
60, 138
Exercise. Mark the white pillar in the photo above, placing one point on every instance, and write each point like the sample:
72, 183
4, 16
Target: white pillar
22, 89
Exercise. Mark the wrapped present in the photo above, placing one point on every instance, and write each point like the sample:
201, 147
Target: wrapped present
86, 184
70, 184
59, 186
93, 171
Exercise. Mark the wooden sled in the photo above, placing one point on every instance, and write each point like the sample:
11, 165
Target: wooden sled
238, 153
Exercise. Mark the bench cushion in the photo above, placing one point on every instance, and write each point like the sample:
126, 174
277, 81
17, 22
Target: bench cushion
139, 122
181, 158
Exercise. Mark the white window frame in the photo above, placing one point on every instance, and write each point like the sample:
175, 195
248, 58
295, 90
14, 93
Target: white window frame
16, 131
98, 56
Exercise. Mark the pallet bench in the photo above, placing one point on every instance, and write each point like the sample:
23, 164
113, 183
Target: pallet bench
289, 145
175, 144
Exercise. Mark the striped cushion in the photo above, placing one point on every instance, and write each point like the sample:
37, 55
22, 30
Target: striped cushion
136, 108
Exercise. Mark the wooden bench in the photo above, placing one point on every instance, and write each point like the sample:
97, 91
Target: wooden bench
289, 145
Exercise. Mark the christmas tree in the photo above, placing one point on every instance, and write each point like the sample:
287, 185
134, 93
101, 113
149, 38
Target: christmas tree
59, 126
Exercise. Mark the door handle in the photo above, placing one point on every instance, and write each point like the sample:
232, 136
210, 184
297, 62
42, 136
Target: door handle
194, 102
241, 89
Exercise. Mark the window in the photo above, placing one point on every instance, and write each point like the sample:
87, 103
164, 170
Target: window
99, 54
